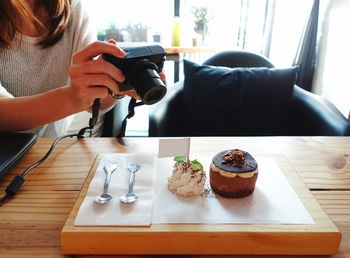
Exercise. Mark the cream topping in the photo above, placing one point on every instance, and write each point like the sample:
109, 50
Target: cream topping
186, 181
231, 174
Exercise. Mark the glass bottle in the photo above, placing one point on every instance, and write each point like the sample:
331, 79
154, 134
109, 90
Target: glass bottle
176, 32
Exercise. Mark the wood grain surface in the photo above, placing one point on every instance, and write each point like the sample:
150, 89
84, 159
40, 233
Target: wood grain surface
31, 222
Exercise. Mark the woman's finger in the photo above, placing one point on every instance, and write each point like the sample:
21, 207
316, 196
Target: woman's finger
112, 41
99, 66
131, 93
95, 49
162, 76
95, 80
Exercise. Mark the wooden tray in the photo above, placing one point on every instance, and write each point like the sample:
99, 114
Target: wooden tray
320, 238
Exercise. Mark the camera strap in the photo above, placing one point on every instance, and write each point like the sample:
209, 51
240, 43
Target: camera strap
95, 113
93, 119
131, 113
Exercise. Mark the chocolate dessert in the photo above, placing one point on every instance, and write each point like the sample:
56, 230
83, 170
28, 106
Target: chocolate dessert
233, 173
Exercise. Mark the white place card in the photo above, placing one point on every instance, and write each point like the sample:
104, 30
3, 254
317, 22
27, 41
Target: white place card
174, 147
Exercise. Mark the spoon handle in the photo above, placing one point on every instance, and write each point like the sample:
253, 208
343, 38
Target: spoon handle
107, 180
131, 182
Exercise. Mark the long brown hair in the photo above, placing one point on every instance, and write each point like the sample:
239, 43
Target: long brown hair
14, 12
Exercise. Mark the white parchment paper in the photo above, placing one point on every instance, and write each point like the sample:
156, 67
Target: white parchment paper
272, 202
116, 212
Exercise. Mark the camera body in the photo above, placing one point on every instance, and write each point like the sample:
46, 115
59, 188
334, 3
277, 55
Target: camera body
140, 67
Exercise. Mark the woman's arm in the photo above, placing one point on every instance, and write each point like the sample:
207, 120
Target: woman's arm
24, 113
29, 112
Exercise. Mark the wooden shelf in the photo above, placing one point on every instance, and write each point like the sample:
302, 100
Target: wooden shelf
171, 49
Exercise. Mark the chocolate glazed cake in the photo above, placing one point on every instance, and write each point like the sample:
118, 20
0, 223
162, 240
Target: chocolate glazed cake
233, 173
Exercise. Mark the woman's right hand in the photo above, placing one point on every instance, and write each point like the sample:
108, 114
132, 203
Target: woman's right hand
87, 71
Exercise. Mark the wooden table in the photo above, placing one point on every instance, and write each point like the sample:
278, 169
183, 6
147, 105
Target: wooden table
31, 222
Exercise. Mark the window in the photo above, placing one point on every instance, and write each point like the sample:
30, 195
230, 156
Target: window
135, 20
269, 27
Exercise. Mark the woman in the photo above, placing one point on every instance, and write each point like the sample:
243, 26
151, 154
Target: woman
48, 65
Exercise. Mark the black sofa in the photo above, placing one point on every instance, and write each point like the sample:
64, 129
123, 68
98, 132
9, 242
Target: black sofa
296, 113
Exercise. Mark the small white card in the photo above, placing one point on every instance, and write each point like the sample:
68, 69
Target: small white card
174, 147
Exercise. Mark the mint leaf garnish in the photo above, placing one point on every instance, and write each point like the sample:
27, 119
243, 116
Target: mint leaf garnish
180, 159
197, 163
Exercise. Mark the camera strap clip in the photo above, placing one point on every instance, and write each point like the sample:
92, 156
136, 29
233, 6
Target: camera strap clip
131, 113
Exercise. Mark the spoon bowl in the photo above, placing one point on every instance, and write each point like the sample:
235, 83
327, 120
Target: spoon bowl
105, 197
130, 197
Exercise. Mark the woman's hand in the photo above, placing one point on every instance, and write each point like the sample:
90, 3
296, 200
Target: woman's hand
88, 71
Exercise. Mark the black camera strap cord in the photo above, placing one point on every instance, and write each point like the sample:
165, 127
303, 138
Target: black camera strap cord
131, 113
18, 181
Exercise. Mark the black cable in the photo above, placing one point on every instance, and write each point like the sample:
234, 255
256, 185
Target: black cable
4, 198
18, 181
48, 153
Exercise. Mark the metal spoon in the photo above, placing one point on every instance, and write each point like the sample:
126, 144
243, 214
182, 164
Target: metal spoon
130, 196
105, 197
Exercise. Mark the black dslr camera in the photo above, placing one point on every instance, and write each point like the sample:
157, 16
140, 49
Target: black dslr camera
140, 67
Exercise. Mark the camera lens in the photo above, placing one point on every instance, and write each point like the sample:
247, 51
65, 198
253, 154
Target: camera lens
150, 86
155, 94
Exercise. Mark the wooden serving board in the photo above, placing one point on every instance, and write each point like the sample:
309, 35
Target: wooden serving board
320, 238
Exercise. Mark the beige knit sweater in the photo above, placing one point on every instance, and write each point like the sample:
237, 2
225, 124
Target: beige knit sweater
28, 70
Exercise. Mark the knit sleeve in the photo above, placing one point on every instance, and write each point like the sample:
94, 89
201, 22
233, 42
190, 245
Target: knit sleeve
84, 30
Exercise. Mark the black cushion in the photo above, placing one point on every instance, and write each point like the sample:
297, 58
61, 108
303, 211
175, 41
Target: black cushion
237, 101
238, 58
